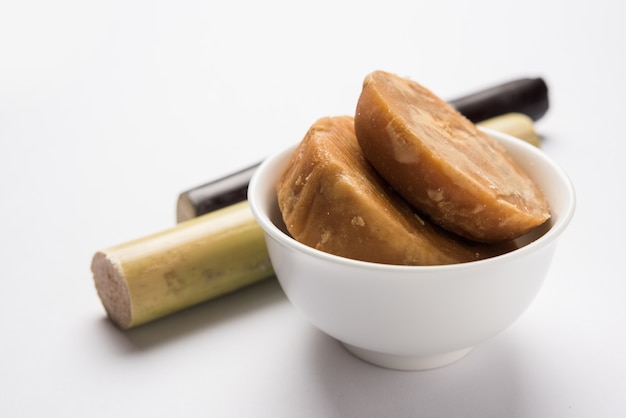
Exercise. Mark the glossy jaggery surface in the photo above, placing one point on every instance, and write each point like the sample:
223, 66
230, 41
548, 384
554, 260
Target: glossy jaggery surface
332, 199
442, 164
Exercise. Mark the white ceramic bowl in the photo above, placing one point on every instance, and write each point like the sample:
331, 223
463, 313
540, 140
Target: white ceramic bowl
413, 317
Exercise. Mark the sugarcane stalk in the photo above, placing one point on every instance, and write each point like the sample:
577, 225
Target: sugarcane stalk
197, 260
528, 96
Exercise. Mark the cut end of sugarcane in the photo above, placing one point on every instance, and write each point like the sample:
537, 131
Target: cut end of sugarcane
112, 290
185, 208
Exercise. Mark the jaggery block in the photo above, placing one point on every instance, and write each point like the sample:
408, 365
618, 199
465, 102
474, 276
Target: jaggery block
443, 164
332, 199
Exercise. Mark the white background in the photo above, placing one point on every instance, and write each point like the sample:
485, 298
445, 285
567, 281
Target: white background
108, 110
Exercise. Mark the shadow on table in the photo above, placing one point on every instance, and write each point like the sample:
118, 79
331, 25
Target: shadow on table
486, 383
191, 320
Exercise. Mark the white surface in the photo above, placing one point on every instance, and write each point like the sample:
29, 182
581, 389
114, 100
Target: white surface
109, 109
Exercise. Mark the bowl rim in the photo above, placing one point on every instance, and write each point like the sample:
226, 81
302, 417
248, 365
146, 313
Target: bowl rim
284, 239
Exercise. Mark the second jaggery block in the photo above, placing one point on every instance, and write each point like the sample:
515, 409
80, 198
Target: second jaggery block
443, 164
332, 199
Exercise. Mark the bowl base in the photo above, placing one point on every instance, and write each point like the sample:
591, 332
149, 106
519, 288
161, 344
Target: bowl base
398, 362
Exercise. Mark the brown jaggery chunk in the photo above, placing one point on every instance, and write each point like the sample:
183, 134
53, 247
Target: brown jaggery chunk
332, 199
442, 164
